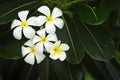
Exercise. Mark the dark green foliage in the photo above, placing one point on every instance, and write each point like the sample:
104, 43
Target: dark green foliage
91, 29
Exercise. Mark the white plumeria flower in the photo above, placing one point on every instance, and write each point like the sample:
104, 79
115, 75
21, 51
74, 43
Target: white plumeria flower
32, 53
51, 19
57, 51
24, 25
42, 40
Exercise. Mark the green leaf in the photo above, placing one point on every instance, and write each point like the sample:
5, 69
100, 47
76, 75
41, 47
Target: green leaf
64, 71
117, 57
44, 70
69, 34
8, 11
87, 75
113, 70
11, 51
96, 42
92, 16
1, 78
112, 4
9, 47
76, 71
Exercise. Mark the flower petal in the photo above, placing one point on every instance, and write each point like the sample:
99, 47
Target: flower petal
15, 23
32, 21
23, 15
39, 58
57, 43
44, 10
56, 12
29, 32
52, 37
59, 23
36, 39
64, 47
62, 56
40, 20
30, 58
17, 33
25, 50
50, 27
53, 56
39, 48
41, 33
28, 43
48, 46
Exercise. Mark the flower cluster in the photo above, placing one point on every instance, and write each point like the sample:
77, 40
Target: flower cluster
43, 40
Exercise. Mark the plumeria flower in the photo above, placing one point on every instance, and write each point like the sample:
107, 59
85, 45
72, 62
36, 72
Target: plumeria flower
24, 25
30, 52
51, 19
42, 40
57, 51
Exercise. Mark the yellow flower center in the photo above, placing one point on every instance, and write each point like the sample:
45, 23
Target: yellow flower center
49, 18
24, 24
32, 50
43, 39
56, 49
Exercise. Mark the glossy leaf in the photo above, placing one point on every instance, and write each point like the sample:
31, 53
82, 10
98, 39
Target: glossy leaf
112, 5
87, 75
10, 48
76, 71
8, 12
114, 70
69, 34
11, 51
117, 57
92, 16
44, 69
96, 42
1, 78
66, 72
62, 71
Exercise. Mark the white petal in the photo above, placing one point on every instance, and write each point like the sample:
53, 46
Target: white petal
40, 20
30, 58
29, 43
36, 39
17, 33
32, 21
39, 57
41, 33
23, 15
59, 23
48, 46
64, 47
52, 37
44, 10
62, 56
50, 27
25, 50
15, 23
54, 56
29, 32
39, 47
56, 12
57, 43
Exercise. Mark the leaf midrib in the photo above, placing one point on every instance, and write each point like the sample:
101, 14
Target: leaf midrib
95, 40
71, 40
93, 12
